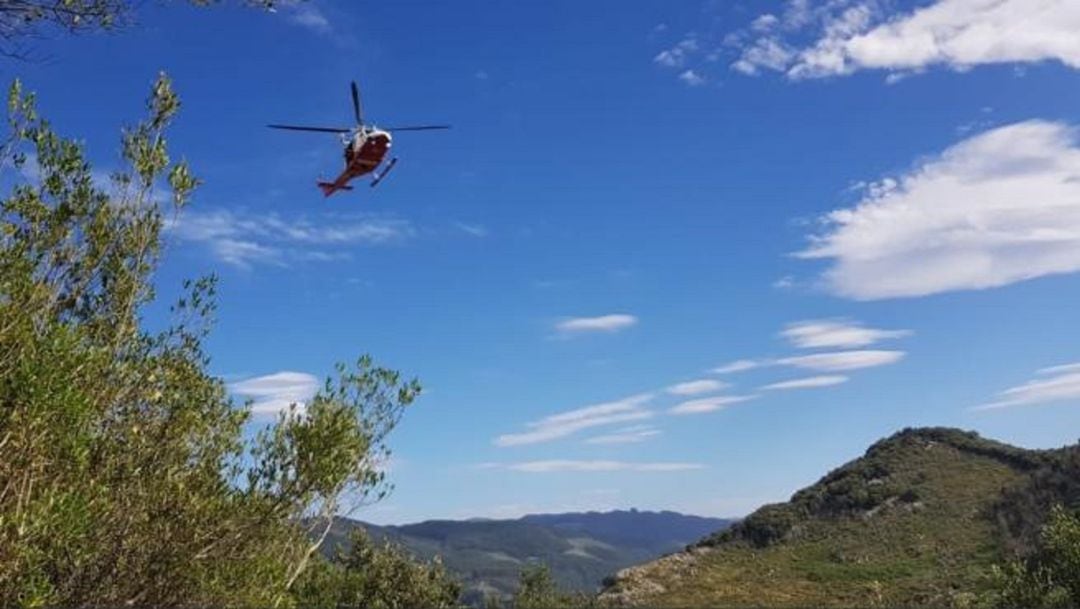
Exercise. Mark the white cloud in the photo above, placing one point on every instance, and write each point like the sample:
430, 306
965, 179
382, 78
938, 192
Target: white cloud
568, 465
626, 435
677, 55
691, 78
308, 15
708, 404
244, 240
764, 23
741, 365
807, 383
853, 35
1063, 385
995, 209
274, 393
564, 424
696, 387
604, 323
836, 333
843, 360
764, 53
1060, 369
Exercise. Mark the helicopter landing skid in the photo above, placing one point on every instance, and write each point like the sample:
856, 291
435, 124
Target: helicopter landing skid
379, 176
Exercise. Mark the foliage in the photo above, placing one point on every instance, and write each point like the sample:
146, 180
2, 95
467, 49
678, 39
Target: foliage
1023, 509
27, 19
376, 577
537, 590
1051, 577
127, 477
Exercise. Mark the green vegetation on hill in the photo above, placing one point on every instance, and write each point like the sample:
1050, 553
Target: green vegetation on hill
921, 519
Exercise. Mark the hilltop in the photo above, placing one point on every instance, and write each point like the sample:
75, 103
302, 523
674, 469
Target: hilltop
918, 520
581, 549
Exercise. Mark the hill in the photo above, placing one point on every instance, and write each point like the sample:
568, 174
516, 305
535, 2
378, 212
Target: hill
581, 549
918, 520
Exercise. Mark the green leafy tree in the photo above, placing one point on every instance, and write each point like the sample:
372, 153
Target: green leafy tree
27, 19
1051, 577
537, 590
371, 576
126, 476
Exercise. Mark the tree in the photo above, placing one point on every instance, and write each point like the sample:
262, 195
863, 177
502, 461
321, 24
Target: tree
126, 475
368, 576
1051, 577
27, 19
537, 590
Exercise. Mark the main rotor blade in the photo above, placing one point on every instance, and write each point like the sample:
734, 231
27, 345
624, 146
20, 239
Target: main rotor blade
356, 104
318, 129
418, 128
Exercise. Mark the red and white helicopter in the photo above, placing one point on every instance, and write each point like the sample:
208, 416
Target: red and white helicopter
365, 147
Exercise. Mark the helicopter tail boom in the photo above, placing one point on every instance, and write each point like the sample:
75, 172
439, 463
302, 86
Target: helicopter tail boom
329, 188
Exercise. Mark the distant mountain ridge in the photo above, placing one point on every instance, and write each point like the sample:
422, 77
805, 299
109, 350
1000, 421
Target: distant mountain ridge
580, 548
916, 521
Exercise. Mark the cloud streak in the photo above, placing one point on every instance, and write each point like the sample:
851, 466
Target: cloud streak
568, 423
627, 435
274, 393
569, 465
839, 361
704, 405
1062, 384
812, 382
832, 334
697, 387
612, 323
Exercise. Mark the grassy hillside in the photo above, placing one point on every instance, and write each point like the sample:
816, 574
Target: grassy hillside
580, 549
918, 520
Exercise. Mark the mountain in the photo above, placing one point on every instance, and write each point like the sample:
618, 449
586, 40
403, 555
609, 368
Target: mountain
918, 520
581, 549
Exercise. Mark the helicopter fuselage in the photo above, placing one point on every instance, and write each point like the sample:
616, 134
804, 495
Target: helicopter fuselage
364, 152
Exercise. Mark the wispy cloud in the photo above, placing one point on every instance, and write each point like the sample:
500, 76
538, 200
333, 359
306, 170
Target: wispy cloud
245, 240
307, 15
995, 209
1061, 369
741, 365
836, 333
843, 360
1062, 384
704, 405
567, 423
473, 230
626, 435
568, 465
847, 36
807, 383
604, 323
697, 387
274, 393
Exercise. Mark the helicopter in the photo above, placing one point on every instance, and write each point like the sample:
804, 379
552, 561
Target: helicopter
365, 147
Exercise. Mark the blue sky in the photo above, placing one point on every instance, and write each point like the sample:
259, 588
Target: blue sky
875, 203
